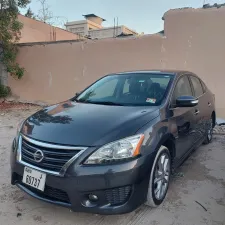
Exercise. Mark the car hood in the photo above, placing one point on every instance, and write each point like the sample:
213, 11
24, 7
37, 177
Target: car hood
80, 124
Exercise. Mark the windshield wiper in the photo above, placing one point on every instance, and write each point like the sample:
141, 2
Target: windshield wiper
98, 102
81, 101
104, 103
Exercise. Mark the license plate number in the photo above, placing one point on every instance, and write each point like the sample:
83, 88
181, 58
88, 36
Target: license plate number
34, 178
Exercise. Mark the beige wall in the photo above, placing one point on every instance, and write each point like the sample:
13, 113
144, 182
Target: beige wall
195, 41
36, 31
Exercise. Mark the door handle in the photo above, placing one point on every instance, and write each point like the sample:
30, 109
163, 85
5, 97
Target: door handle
197, 112
209, 104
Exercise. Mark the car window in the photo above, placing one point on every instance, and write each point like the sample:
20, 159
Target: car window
203, 86
106, 90
126, 87
163, 83
197, 86
129, 89
183, 88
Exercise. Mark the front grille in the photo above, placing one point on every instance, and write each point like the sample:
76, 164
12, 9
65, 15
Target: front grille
118, 196
54, 159
49, 193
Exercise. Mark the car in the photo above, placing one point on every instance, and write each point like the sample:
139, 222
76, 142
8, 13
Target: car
114, 146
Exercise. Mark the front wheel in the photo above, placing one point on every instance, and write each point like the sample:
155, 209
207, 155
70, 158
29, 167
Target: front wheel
159, 178
209, 133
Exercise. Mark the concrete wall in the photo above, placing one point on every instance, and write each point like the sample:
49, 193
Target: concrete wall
82, 27
107, 32
36, 31
110, 32
194, 40
78, 27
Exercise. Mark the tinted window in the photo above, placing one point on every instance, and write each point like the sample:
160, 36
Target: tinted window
197, 86
129, 89
126, 87
106, 90
183, 88
203, 86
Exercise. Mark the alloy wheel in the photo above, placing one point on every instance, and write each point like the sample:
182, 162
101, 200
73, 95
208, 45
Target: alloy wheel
210, 131
161, 176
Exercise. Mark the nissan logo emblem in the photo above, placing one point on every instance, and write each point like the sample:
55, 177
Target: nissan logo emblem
38, 156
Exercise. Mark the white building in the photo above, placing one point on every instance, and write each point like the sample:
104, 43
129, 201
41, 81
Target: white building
92, 27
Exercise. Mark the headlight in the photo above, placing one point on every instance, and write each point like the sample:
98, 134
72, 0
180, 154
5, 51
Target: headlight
119, 150
16, 140
19, 126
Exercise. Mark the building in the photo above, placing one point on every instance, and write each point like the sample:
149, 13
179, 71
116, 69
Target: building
92, 28
37, 31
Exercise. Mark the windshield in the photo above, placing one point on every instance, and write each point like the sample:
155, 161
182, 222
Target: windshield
129, 89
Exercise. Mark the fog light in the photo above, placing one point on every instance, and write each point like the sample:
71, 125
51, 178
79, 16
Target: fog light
93, 198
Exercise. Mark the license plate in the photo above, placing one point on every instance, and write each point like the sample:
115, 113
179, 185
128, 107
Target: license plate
34, 178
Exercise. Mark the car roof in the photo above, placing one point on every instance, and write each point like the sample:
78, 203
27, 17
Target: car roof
169, 72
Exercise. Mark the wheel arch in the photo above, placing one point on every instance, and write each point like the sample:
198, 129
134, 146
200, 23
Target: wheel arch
169, 141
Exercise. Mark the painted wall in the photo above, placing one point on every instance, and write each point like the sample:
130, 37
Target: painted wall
195, 41
36, 31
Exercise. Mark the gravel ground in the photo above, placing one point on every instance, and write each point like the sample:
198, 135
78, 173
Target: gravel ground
196, 195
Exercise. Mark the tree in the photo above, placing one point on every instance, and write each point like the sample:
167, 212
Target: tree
44, 14
10, 34
30, 14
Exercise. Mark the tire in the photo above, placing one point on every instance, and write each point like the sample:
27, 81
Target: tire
209, 133
154, 197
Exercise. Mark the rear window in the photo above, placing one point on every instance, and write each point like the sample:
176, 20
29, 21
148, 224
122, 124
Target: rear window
183, 88
203, 86
197, 86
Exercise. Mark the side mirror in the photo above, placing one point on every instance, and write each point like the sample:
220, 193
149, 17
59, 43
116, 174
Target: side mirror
77, 94
186, 101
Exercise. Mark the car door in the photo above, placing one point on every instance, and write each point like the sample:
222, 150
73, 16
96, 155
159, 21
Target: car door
183, 119
201, 110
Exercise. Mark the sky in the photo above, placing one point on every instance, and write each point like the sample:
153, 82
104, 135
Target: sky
139, 15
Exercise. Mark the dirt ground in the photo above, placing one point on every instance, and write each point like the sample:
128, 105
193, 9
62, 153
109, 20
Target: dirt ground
196, 195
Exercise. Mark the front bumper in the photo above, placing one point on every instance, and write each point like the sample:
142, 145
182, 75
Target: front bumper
120, 188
